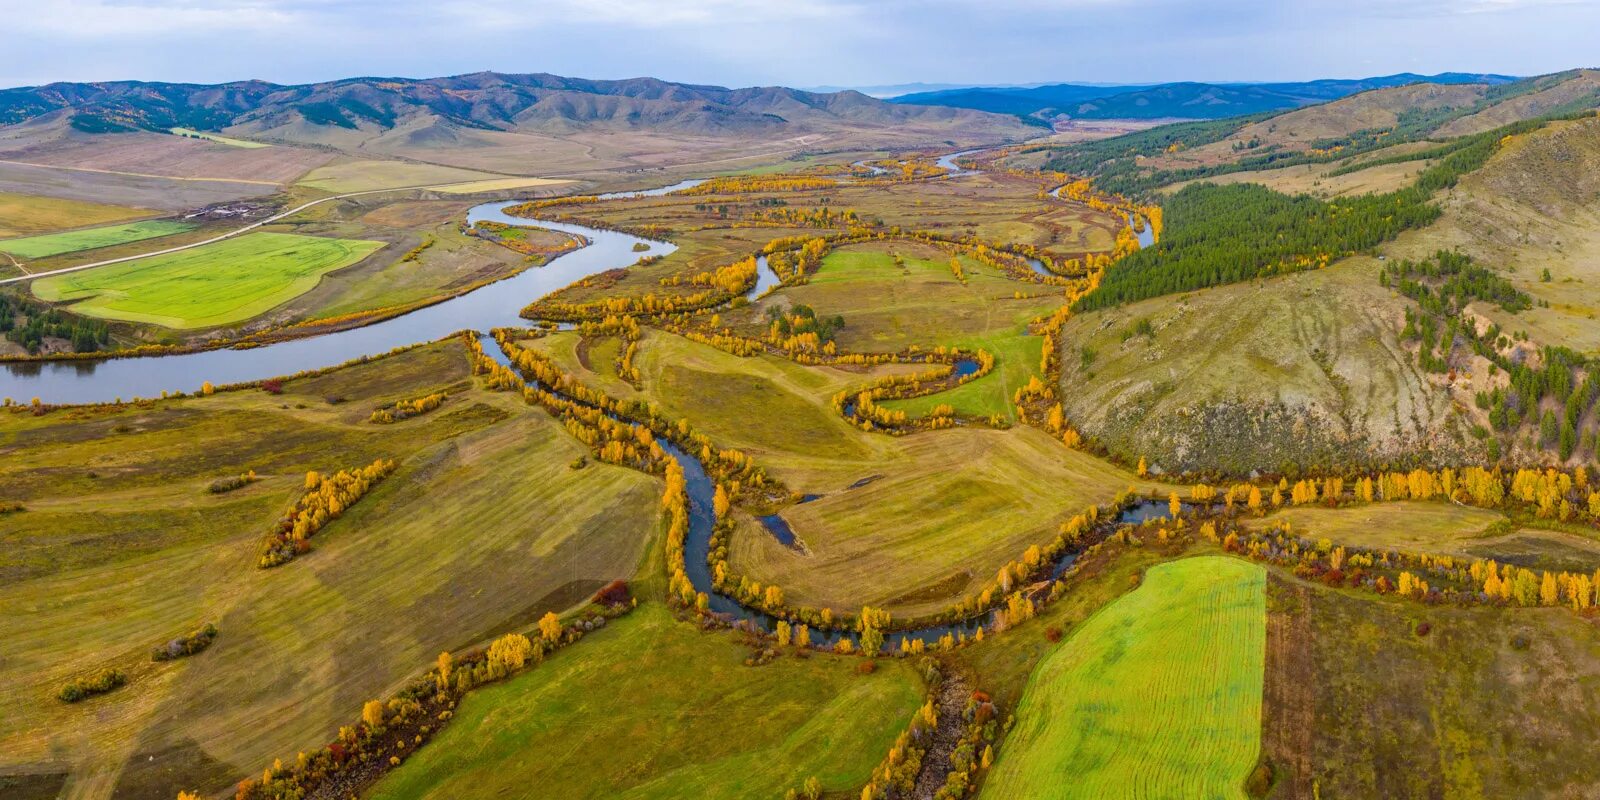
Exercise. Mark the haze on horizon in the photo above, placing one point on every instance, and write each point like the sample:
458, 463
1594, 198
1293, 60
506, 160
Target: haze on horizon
797, 43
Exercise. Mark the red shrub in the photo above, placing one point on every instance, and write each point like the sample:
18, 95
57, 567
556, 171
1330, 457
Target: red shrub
1423, 628
867, 666
272, 386
612, 594
1052, 633
1333, 577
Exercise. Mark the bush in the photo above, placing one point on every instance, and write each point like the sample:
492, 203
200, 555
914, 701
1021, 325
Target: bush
197, 640
99, 683
613, 593
1052, 633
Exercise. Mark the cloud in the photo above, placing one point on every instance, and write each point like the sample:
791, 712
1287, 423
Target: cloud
123, 19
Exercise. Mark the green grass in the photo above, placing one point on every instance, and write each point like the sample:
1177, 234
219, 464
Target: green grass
481, 529
889, 308
653, 708
73, 241
1158, 695
218, 284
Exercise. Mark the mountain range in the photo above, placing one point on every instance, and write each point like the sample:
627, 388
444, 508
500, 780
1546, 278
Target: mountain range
486, 100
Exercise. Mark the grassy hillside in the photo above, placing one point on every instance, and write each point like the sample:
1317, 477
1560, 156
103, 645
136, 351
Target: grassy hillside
652, 707
1158, 693
1305, 369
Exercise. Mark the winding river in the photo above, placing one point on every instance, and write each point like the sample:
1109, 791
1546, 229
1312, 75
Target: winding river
494, 305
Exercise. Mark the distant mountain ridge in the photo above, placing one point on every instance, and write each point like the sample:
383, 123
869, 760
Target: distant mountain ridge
1180, 100
484, 100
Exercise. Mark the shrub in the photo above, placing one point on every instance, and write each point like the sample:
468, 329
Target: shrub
272, 386
1052, 633
99, 683
225, 485
613, 593
197, 640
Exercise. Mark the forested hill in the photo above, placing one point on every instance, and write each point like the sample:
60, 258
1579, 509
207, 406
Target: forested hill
484, 100
1186, 100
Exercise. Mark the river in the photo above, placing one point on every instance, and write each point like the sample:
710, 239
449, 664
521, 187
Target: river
495, 305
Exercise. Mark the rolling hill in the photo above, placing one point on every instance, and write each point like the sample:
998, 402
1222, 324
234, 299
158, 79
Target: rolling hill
1184, 100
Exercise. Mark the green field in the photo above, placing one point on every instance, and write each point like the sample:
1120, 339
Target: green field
650, 707
1158, 695
482, 528
55, 244
218, 284
887, 308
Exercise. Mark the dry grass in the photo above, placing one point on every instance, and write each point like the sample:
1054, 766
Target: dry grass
24, 215
483, 528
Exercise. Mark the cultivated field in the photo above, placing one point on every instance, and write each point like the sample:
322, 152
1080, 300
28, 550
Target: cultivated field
482, 529
1158, 695
652, 708
22, 214
88, 239
218, 284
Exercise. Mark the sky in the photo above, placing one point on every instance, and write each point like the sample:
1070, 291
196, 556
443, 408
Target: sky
791, 42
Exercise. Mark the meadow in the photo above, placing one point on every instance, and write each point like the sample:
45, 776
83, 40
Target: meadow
1157, 695
650, 707
218, 284
482, 529
75, 241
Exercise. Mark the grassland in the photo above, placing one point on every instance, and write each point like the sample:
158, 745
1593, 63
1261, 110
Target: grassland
75, 241
1445, 529
649, 707
366, 175
218, 284
498, 185
942, 512
889, 308
483, 528
1363, 701
23, 214
1158, 695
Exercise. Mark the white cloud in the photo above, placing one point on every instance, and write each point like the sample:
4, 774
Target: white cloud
125, 19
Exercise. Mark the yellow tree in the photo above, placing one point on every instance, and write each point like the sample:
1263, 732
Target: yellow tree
550, 626
444, 670
372, 713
